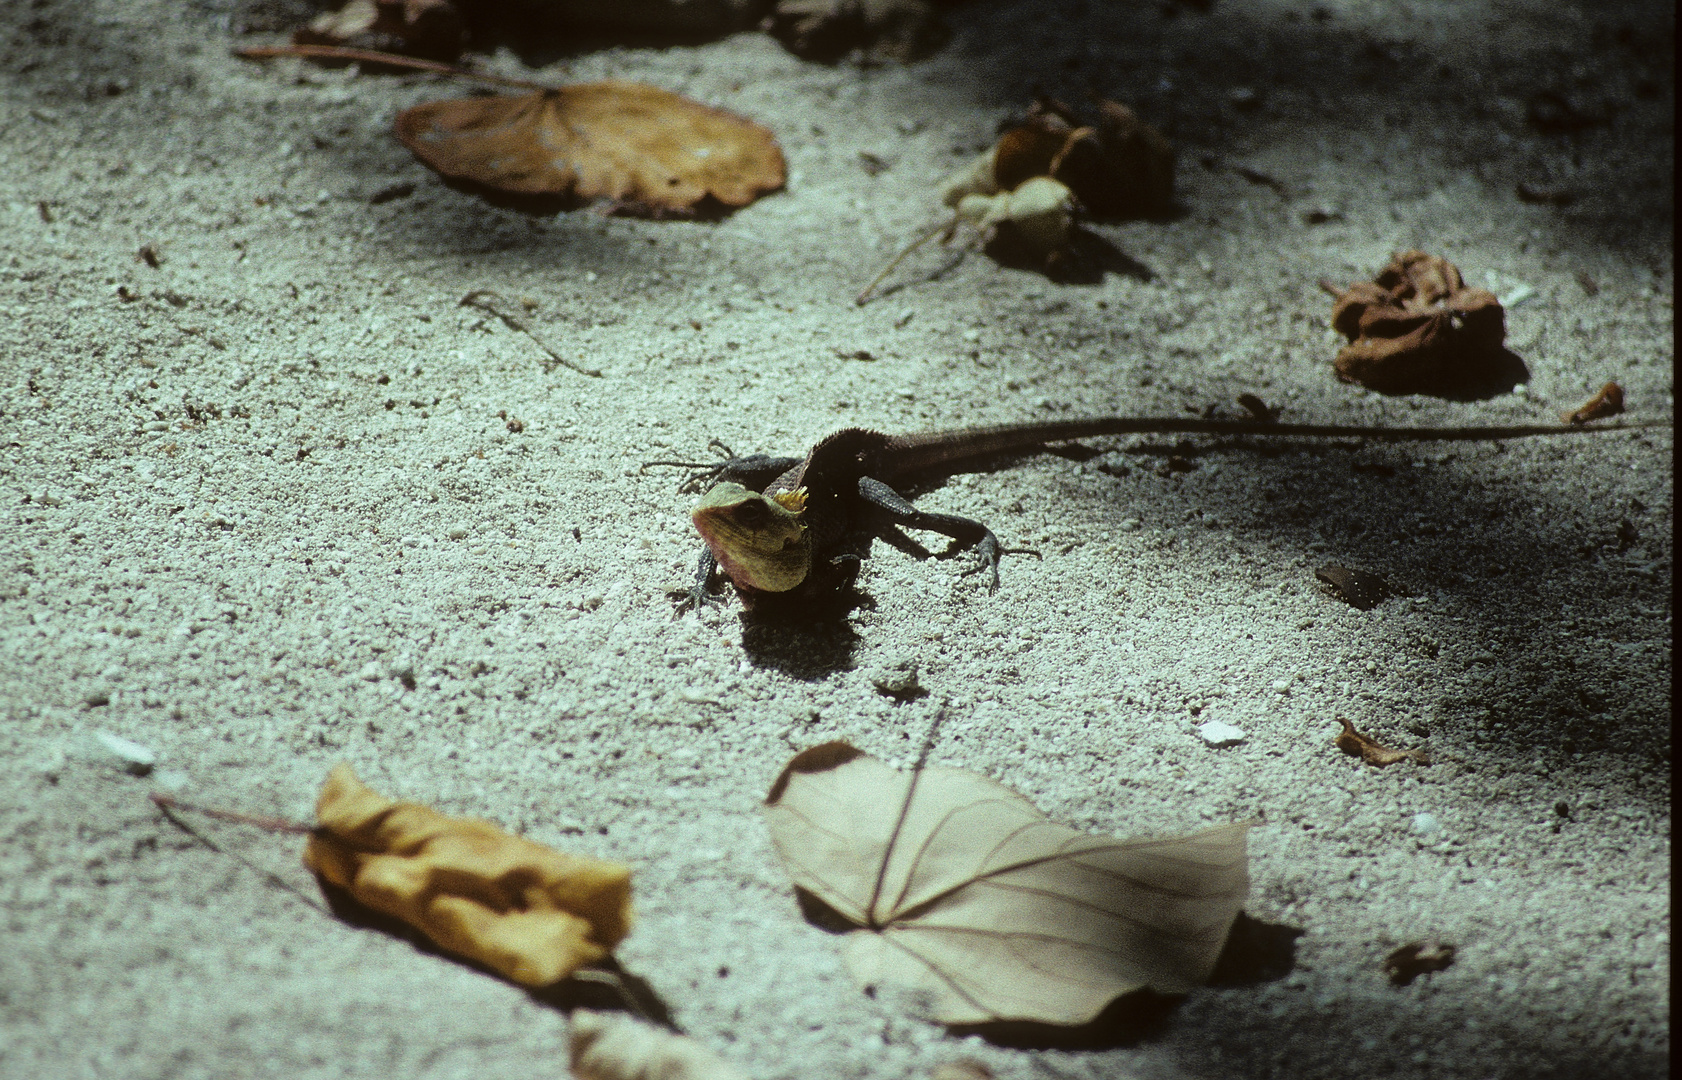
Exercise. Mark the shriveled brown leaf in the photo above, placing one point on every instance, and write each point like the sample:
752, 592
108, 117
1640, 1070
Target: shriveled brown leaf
1357, 588
647, 150
609, 1047
1117, 166
962, 1069
532, 914
1355, 744
827, 30
1609, 402
1417, 329
957, 887
1418, 958
431, 28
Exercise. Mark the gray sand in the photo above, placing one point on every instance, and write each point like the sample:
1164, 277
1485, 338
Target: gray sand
245, 510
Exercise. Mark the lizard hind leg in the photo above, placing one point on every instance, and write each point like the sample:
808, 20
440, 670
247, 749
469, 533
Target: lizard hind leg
892, 506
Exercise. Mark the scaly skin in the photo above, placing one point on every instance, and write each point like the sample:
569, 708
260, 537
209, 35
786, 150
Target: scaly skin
802, 534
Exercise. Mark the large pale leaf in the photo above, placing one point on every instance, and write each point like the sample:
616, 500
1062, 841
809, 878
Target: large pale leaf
962, 890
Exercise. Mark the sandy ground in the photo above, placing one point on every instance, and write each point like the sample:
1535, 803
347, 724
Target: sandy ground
269, 515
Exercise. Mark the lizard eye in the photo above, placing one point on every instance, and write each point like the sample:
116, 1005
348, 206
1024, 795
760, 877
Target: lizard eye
752, 514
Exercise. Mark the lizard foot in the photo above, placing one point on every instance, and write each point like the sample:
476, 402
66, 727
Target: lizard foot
693, 599
987, 555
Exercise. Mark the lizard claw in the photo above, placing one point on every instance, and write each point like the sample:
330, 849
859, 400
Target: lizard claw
695, 599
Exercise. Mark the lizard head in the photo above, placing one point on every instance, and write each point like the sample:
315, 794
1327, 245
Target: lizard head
758, 540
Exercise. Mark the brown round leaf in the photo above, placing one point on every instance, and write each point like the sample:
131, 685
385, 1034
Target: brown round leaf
645, 148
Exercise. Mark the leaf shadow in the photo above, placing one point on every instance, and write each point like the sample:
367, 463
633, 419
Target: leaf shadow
604, 986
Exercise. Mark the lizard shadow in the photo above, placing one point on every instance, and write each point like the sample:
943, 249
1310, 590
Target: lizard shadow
804, 640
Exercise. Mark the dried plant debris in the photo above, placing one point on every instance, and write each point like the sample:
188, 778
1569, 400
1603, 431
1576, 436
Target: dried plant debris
1037, 217
1418, 958
1355, 744
880, 30
648, 151
1417, 329
1609, 402
430, 28
1357, 588
962, 1069
958, 889
532, 914
1117, 166
608, 1047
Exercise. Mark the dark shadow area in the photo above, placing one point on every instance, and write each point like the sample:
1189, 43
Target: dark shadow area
1129, 1020
606, 985
802, 638
1089, 258
1255, 952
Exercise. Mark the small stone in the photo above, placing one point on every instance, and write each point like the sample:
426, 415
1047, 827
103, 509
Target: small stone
458, 533
96, 698
372, 671
1425, 825
897, 679
137, 759
1130, 525
1281, 686
1217, 733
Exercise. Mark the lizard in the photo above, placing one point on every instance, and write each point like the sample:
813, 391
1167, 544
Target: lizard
793, 530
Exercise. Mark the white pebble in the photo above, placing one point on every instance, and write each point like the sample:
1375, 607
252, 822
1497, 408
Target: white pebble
372, 671
1425, 824
136, 758
1218, 733
1130, 525
458, 533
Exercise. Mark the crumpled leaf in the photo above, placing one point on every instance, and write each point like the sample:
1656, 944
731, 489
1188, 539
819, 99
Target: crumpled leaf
1417, 329
1038, 215
1118, 166
827, 30
1609, 402
957, 887
431, 28
1355, 744
1357, 588
1418, 958
648, 150
608, 1047
528, 912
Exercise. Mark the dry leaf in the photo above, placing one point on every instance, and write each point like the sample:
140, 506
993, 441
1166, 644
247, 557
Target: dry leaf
608, 1047
1355, 744
1609, 402
957, 887
1418, 958
1357, 588
648, 150
827, 30
432, 28
962, 1069
1118, 166
526, 911
1038, 216
1417, 329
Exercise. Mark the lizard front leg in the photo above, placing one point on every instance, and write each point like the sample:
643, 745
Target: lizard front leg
701, 593
890, 504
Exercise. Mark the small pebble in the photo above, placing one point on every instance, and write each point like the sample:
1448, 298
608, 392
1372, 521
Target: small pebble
458, 533
1425, 825
1130, 525
897, 679
372, 671
137, 759
1281, 686
1217, 733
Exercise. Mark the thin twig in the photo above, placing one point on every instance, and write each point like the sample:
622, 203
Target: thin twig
261, 821
373, 56
483, 300
864, 295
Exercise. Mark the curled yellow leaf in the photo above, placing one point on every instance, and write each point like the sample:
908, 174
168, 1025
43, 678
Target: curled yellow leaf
528, 912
